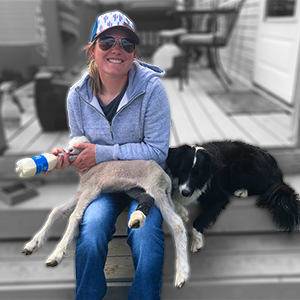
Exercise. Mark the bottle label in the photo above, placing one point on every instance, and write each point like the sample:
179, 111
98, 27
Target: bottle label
41, 163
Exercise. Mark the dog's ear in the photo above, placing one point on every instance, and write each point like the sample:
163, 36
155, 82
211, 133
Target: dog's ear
175, 155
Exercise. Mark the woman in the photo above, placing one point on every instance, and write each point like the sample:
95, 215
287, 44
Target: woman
122, 108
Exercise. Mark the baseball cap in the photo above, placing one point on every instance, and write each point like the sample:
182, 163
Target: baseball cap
114, 19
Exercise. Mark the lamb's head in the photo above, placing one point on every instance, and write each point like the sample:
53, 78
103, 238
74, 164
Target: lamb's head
73, 152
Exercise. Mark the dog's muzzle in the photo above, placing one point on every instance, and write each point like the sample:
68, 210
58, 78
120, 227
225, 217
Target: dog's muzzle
185, 191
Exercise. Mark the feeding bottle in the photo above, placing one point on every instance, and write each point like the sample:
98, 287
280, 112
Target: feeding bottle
28, 167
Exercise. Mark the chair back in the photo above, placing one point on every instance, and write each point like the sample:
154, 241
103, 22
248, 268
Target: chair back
225, 19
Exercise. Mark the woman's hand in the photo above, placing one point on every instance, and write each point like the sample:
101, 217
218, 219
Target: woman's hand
62, 161
85, 159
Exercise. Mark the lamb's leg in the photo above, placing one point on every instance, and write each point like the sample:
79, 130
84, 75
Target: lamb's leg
62, 249
164, 203
57, 213
138, 217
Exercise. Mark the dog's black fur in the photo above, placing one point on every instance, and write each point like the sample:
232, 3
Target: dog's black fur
226, 167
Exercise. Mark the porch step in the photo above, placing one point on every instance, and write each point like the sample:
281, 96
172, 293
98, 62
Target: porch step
230, 266
27, 277
25, 219
241, 267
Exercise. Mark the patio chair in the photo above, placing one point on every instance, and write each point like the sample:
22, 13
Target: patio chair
189, 24
223, 20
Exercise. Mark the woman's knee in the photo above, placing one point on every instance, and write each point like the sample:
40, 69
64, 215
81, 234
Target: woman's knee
98, 221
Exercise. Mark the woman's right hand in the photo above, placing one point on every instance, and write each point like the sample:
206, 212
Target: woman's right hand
62, 161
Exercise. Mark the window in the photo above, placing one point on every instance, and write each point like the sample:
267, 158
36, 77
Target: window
280, 8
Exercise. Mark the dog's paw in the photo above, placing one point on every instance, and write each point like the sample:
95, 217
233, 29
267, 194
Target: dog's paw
198, 242
241, 193
184, 215
137, 219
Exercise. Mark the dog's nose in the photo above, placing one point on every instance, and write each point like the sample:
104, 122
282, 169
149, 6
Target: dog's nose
186, 193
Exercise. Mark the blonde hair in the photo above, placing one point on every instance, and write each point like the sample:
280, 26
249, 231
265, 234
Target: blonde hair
93, 70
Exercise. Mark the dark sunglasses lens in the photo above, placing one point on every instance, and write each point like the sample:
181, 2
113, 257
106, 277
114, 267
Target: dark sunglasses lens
128, 45
106, 43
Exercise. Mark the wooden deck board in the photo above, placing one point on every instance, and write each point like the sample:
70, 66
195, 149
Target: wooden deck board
43, 143
281, 132
229, 129
227, 267
22, 141
185, 130
195, 119
263, 137
207, 128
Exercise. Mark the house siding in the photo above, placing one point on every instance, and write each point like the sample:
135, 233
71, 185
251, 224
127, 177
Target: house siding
17, 22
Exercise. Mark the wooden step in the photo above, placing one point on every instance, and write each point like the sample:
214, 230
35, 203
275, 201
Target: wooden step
248, 266
24, 219
27, 277
230, 266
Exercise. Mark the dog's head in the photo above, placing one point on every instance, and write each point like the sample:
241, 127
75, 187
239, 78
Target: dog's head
73, 152
192, 167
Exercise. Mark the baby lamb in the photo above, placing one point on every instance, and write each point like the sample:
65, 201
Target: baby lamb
144, 181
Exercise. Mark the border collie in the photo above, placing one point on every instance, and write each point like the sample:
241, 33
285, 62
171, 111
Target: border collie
213, 172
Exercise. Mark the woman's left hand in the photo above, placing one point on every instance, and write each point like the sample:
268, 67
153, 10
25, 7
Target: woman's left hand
85, 159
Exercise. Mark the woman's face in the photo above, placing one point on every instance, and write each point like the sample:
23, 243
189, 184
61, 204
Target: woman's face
115, 61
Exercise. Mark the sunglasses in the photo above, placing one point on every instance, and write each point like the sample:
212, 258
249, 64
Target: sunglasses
107, 42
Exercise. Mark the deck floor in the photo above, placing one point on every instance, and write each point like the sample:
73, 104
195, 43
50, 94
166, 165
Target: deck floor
196, 118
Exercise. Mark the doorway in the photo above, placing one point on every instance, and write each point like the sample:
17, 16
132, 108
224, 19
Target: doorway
277, 48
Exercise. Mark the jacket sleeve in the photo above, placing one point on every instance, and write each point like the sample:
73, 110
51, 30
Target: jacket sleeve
157, 123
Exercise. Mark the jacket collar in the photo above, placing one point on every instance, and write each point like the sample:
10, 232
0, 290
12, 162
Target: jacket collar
139, 76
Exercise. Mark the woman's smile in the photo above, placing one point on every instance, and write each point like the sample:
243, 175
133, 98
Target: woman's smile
115, 61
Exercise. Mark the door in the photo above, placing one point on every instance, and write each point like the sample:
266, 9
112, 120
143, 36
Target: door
277, 48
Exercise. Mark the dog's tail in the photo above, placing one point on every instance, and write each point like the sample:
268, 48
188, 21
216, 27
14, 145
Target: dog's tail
282, 202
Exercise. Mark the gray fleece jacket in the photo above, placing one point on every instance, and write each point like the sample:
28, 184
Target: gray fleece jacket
140, 128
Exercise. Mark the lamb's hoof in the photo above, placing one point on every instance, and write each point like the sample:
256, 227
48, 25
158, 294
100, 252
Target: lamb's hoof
137, 219
51, 263
180, 285
181, 277
26, 251
135, 225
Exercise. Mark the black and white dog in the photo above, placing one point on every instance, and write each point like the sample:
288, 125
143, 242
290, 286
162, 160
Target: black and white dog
213, 172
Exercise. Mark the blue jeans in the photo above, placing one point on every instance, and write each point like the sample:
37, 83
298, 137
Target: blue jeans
146, 243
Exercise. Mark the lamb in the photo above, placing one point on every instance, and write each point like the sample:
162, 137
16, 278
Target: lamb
144, 181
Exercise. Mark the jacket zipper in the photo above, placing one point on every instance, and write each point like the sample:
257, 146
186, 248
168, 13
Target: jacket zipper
110, 122
110, 130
